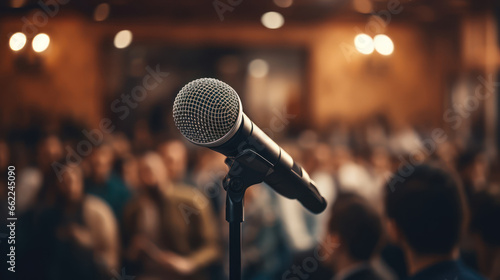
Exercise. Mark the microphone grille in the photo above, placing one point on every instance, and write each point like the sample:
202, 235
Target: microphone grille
206, 110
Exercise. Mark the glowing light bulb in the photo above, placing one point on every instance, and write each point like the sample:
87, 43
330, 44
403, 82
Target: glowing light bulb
123, 39
272, 20
17, 41
384, 44
364, 44
40, 42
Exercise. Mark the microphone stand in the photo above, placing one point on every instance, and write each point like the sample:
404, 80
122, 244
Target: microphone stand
246, 169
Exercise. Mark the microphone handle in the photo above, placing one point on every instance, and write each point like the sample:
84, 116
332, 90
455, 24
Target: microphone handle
287, 178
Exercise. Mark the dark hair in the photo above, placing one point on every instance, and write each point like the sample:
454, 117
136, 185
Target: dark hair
357, 224
485, 214
428, 207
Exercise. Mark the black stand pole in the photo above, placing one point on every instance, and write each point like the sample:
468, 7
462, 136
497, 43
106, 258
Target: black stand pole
247, 169
235, 251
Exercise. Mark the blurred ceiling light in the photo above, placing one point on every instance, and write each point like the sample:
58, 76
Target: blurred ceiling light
40, 42
383, 44
17, 41
283, 3
101, 12
258, 68
363, 6
272, 20
123, 39
364, 43
17, 3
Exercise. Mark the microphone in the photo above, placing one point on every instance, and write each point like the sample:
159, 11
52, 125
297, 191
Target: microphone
208, 112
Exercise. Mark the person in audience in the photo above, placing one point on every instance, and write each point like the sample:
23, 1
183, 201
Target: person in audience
356, 227
76, 238
471, 167
175, 156
127, 168
103, 182
426, 213
485, 228
171, 231
42, 188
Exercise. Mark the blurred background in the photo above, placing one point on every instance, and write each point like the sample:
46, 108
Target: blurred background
352, 89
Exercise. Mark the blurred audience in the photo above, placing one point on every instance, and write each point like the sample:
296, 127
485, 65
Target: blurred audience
160, 215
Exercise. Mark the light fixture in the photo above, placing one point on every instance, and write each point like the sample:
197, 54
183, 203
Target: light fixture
272, 20
283, 3
40, 42
101, 12
364, 43
363, 6
383, 44
123, 39
17, 3
17, 41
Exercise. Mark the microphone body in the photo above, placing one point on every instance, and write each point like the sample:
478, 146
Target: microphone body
287, 178
209, 113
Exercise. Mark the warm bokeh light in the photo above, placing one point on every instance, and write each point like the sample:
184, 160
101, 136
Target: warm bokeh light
40, 42
123, 39
272, 20
101, 12
283, 3
363, 6
364, 44
258, 68
383, 44
17, 3
17, 41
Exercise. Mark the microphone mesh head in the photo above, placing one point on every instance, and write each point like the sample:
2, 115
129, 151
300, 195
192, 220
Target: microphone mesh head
205, 110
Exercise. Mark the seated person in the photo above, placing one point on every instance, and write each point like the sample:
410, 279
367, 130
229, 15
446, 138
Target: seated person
356, 228
105, 184
426, 212
170, 232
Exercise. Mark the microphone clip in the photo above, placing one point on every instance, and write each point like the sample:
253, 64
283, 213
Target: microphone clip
246, 169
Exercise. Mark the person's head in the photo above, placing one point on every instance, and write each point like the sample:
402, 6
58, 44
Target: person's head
175, 156
356, 227
50, 149
129, 171
121, 144
425, 210
101, 162
70, 188
152, 171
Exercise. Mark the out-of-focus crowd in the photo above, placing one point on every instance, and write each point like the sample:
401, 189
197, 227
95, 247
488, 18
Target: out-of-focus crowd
96, 205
